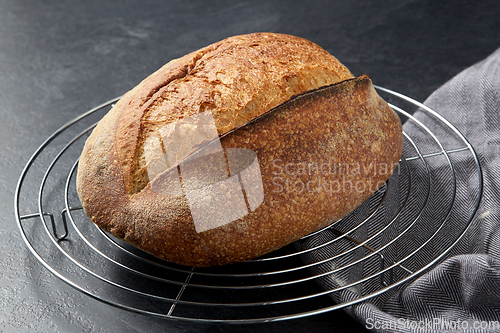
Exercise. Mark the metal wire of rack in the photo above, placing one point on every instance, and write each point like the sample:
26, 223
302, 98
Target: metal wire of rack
402, 231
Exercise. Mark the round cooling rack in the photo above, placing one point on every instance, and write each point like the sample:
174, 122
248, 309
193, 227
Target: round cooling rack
402, 231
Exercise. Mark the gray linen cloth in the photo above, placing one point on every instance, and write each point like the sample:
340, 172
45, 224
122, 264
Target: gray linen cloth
462, 292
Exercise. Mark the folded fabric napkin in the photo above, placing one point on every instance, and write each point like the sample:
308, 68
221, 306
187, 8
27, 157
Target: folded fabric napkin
461, 293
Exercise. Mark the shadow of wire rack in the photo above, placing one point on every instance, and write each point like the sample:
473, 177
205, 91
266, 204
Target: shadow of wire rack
403, 230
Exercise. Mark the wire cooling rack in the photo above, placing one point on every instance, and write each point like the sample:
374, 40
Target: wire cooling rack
402, 231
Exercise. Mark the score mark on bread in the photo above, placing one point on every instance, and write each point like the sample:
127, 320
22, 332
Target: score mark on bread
281, 98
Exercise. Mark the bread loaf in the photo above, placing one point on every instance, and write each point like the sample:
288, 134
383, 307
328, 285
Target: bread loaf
236, 150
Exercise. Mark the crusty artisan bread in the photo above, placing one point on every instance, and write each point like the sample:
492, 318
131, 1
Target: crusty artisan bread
322, 142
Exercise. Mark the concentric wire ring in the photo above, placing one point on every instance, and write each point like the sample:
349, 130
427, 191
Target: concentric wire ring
359, 255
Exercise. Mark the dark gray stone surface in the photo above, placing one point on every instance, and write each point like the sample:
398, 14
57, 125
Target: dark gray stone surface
59, 59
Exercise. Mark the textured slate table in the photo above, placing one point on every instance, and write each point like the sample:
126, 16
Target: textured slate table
60, 59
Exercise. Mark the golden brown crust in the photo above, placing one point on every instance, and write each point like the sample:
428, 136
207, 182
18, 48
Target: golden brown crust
315, 153
236, 79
